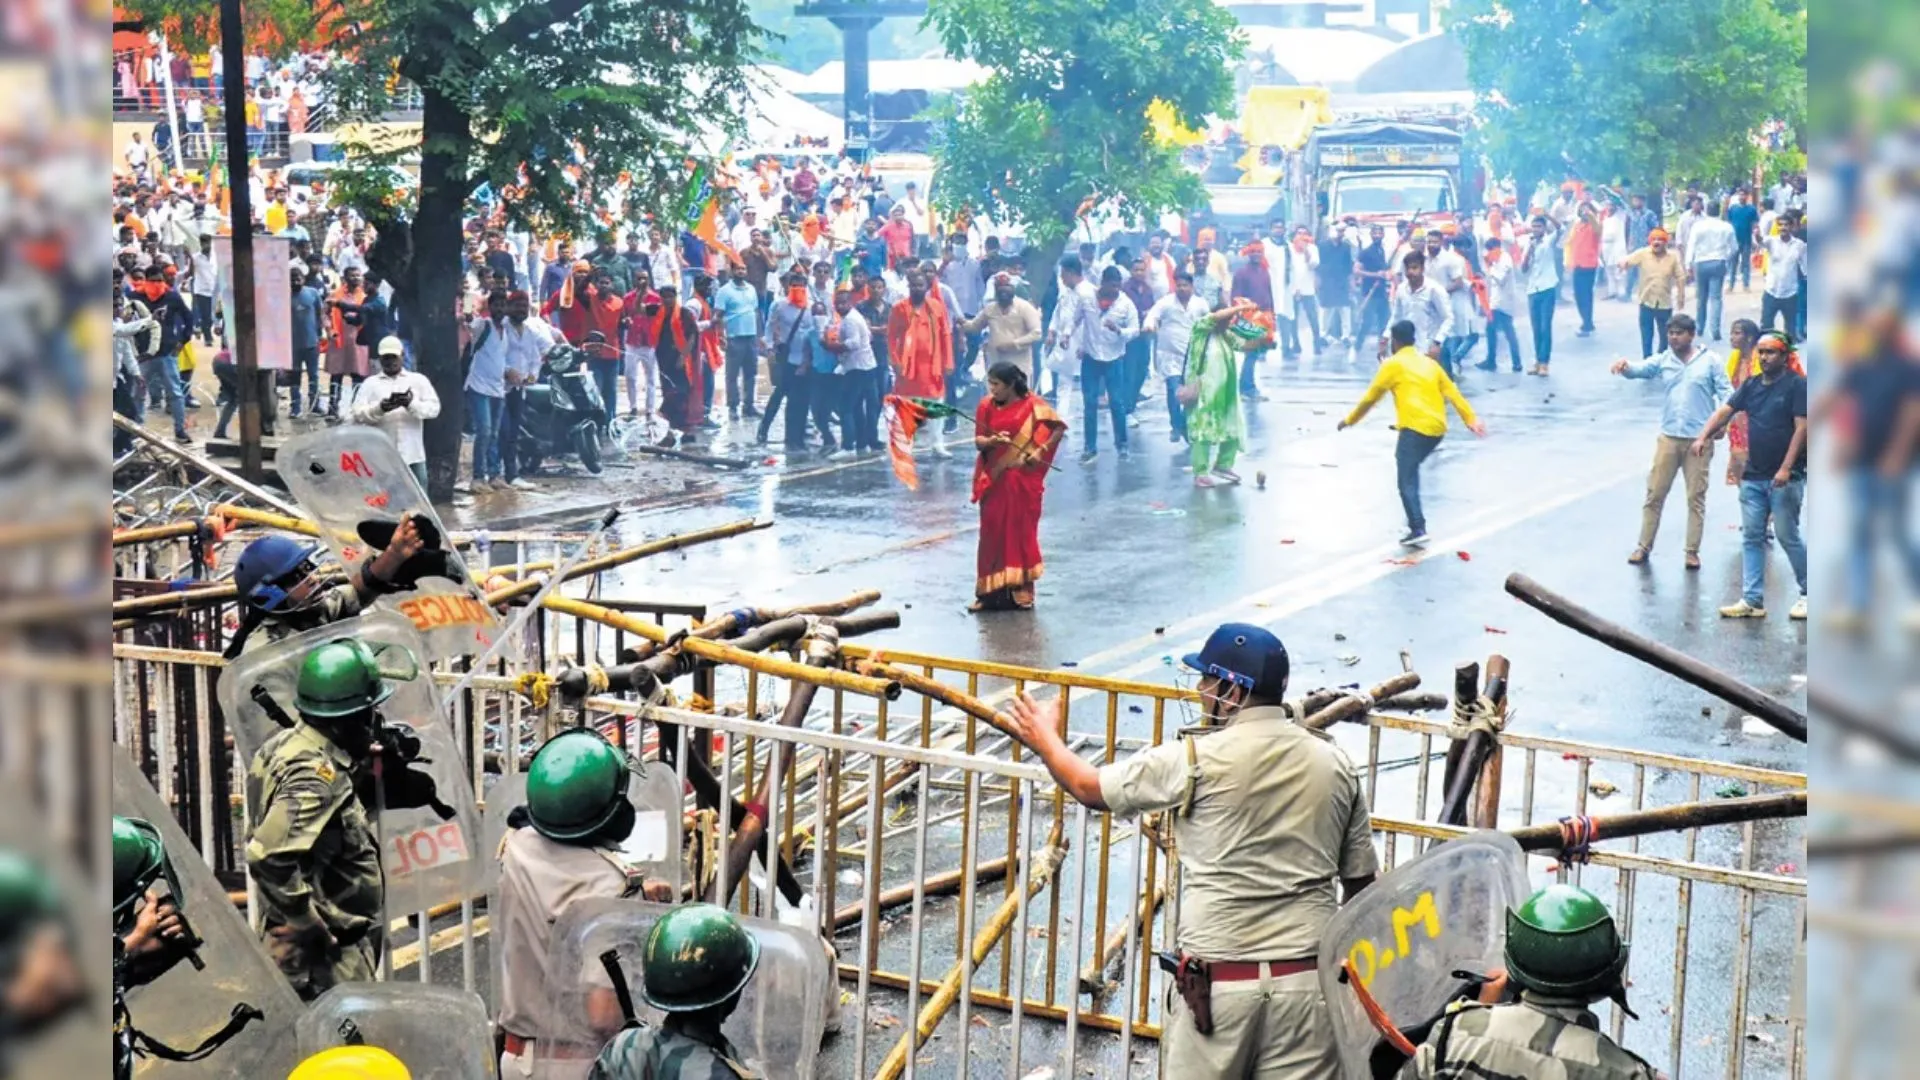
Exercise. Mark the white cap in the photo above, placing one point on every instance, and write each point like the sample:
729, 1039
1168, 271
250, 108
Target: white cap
390, 346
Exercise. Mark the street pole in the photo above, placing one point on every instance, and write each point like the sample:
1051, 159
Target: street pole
240, 321
174, 122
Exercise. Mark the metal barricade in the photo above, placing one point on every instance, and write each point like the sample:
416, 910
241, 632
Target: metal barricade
892, 807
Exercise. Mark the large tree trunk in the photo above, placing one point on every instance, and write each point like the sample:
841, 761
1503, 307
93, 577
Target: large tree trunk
445, 136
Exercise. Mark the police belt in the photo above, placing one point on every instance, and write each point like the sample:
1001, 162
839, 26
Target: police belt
1246, 970
520, 1046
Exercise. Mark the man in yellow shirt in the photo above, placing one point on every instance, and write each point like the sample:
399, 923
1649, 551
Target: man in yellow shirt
1421, 392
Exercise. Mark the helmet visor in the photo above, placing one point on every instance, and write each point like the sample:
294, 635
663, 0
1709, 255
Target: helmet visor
295, 590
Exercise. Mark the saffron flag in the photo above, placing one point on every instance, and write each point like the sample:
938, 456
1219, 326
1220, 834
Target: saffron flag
903, 421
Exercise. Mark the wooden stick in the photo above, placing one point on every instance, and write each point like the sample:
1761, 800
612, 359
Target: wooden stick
529, 585
1349, 708
1854, 721
1093, 977
831, 678
1695, 815
1476, 747
688, 455
821, 651
945, 883
1045, 865
1466, 690
1783, 717
941, 692
729, 623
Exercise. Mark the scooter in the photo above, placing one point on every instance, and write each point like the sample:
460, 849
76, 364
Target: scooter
562, 413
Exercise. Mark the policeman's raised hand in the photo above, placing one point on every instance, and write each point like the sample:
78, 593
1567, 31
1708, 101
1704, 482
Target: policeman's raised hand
1038, 723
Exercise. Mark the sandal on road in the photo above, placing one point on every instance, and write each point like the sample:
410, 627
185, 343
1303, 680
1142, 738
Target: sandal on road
1638, 558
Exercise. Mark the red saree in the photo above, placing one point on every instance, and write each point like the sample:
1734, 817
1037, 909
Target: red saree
1009, 482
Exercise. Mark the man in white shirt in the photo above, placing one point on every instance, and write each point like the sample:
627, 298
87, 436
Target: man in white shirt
1161, 267
1504, 296
1106, 325
1540, 275
851, 339
1306, 277
1711, 249
1283, 268
1786, 262
527, 338
1065, 338
741, 238
916, 206
203, 284
194, 122
1447, 270
1422, 303
1170, 321
399, 402
1683, 229
139, 156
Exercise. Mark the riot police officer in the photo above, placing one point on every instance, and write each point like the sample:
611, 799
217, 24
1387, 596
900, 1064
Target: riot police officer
1266, 816
143, 926
351, 1063
697, 960
578, 813
312, 850
281, 591
1564, 953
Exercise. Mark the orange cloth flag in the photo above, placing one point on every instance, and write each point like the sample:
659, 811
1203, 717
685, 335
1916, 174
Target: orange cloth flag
904, 421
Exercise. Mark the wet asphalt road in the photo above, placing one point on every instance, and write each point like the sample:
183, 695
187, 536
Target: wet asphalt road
1140, 566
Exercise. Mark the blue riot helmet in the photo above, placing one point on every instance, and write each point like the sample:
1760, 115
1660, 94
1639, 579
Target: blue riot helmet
1245, 655
271, 570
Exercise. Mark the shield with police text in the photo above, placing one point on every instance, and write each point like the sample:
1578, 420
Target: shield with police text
351, 481
216, 969
428, 822
1398, 944
777, 1026
437, 1032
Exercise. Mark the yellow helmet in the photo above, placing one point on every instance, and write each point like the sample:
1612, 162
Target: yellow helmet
351, 1063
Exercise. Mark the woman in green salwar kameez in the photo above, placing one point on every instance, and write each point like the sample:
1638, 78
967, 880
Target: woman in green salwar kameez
1211, 392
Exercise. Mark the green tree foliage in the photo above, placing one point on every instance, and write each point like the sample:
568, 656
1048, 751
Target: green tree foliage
1062, 119
600, 102
1644, 91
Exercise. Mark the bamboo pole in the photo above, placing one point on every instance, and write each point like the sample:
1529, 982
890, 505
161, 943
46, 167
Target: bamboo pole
730, 623
1783, 717
1093, 977
528, 585
1855, 721
942, 693
821, 651
148, 533
1351, 707
203, 463
1475, 748
721, 653
1693, 815
1466, 690
1045, 865
944, 883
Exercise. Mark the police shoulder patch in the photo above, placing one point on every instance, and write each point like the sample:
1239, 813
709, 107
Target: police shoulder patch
324, 770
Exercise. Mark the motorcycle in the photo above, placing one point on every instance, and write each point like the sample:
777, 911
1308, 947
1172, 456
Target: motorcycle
562, 413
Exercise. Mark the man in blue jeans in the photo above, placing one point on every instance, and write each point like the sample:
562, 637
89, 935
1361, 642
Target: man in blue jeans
1540, 275
162, 368
739, 306
1774, 484
1107, 325
486, 390
1884, 391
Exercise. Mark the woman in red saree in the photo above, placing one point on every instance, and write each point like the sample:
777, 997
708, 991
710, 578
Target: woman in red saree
1017, 434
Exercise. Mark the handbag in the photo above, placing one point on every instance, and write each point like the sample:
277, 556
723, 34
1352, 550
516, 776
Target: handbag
1060, 360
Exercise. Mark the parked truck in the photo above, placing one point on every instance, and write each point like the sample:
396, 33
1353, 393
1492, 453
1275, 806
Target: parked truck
1382, 171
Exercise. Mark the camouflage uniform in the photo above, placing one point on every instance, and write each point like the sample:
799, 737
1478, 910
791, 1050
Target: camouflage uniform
643, 1052
1541, 1038
313, 855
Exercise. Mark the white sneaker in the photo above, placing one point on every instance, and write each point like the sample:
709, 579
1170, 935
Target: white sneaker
842, 455
523, 484
1740, 609
1799, 609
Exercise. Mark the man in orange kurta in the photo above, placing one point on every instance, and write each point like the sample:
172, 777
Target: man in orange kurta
920, 347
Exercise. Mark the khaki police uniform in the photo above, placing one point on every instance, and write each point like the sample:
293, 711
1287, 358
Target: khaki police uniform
311, 852
1268, 816
1540, 1038
539, 880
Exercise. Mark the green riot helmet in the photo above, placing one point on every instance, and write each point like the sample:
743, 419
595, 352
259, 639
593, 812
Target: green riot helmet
1562, 941
139, 860
340, 678
697, 956
27, 895
576, 786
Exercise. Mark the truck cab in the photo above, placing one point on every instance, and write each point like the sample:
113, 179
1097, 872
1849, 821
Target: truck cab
1384, 171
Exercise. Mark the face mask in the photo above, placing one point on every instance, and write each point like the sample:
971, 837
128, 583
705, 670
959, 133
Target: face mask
797, 295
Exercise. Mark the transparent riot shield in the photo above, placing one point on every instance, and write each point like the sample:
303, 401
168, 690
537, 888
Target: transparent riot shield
777, 1027
1411, 930
653, 847
430, 859
437, 1032
186, 1004
351, 481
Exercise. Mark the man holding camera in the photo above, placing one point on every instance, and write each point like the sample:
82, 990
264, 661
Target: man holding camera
400, 402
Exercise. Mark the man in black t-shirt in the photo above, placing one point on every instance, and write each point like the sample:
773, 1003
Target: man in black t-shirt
1775, 482
1884, 392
